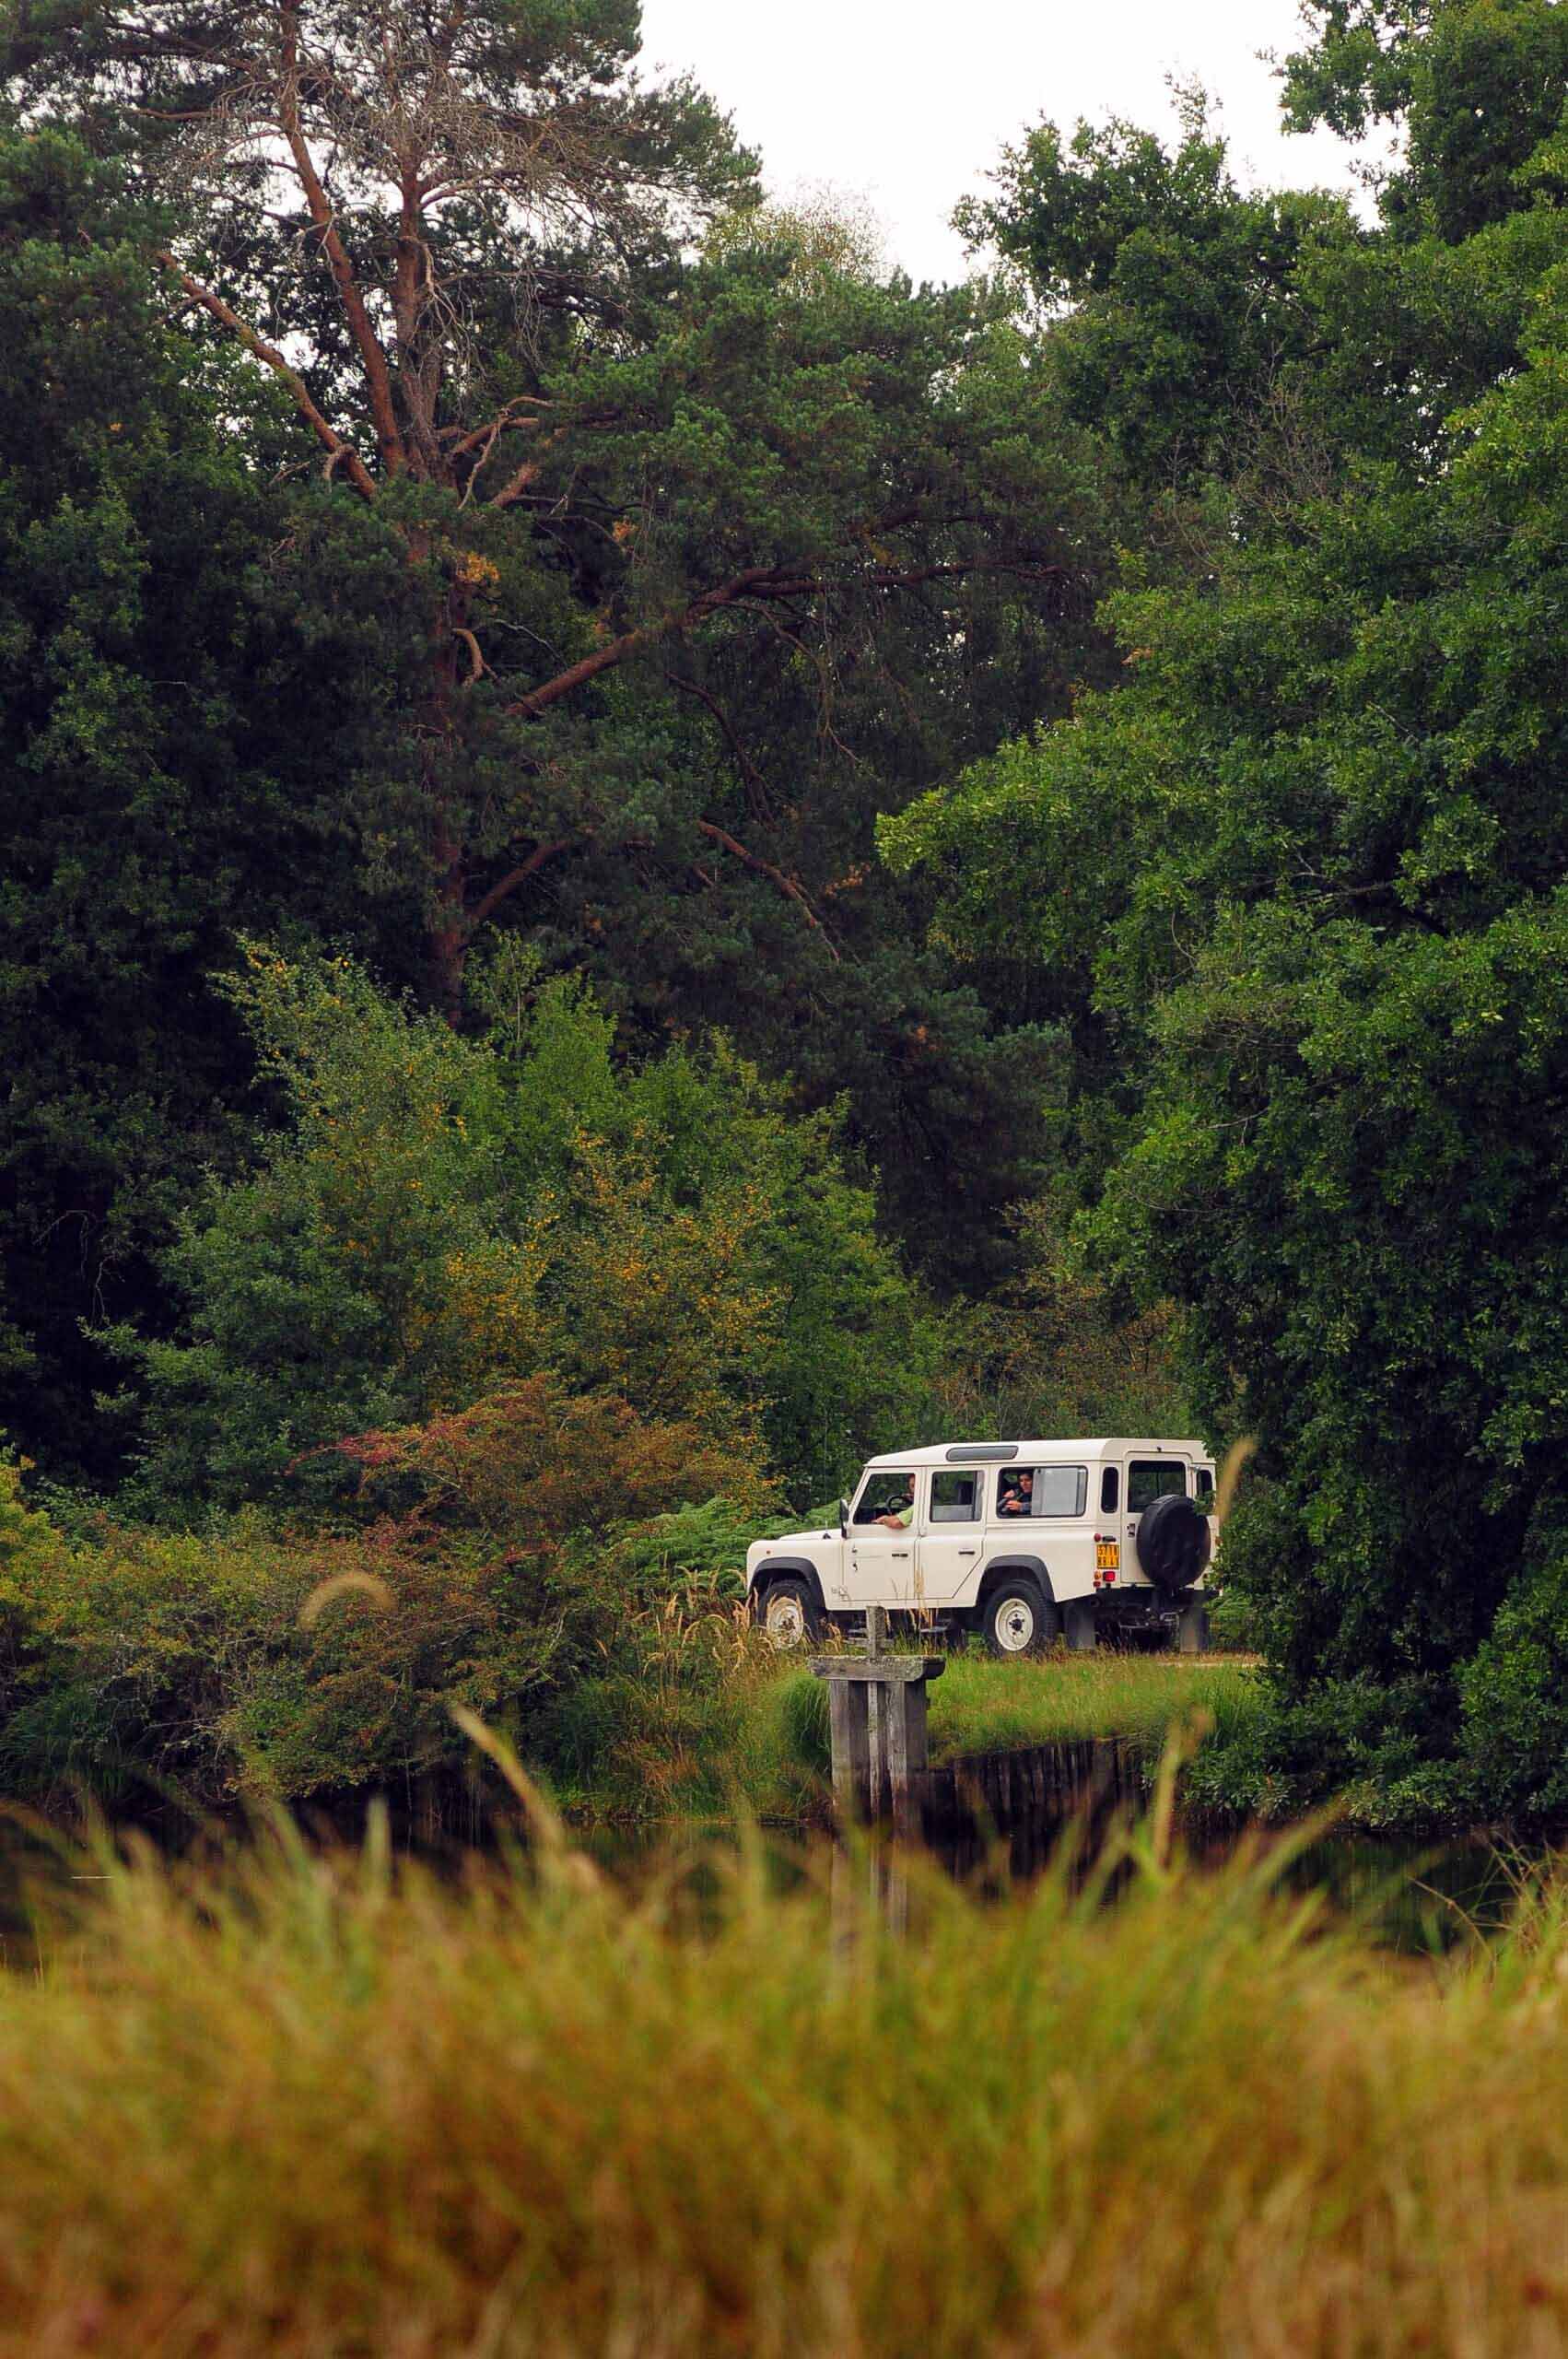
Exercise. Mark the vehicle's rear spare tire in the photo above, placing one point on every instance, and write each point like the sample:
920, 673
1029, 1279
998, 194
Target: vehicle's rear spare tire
1173, 1541
1017, 1620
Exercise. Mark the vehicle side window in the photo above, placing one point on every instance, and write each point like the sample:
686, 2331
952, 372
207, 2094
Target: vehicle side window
1203, 1487
886, 1493
1149, 1479
1041, 1490
1110, 1490
955, 1499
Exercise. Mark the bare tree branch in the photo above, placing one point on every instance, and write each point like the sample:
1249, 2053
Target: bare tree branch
786, 884
339, 452
757, 784
377, 376
757, 585
488, 903
756, 582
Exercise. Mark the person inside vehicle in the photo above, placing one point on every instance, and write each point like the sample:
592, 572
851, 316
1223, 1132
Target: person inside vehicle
1018, 1494
900, 1518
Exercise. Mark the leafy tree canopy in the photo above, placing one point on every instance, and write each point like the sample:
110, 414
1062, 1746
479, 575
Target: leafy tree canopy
470, 513
179, 709
1183, 301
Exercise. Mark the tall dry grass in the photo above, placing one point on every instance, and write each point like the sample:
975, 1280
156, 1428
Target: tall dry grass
296, 2104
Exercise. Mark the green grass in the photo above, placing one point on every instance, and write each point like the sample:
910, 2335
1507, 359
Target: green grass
295, 2105
710, 1725
981, 1705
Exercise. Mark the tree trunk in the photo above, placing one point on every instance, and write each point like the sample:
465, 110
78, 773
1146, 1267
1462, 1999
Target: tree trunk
449, 929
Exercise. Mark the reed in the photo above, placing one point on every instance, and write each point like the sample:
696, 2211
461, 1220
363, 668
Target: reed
282, 2102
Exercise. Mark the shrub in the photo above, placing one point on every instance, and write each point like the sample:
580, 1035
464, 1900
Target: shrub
1354, 1741
196, 1665
440, 1216
34, 1588
1514, 1695
533, 1465
485, 1570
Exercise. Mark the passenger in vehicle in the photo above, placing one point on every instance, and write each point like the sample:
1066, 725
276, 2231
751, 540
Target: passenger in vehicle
1018, 1493
900, 1518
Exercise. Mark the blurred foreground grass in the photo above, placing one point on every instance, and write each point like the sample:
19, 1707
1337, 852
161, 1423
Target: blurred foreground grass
288, 2104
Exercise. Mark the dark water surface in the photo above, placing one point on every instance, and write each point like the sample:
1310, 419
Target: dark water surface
1418, 1898
1425, 1897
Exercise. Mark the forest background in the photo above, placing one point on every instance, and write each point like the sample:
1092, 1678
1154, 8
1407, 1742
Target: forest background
639, 859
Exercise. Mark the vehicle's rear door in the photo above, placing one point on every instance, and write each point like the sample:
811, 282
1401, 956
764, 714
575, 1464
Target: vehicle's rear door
1148, 1479
947, 1550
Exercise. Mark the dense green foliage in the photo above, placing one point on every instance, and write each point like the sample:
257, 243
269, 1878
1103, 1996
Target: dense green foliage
611, 813
440, 1216
1187, 320
176, 720
636, 569
1321, 824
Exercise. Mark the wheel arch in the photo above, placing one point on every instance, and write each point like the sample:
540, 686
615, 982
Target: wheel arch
1002, 1567
784, 1568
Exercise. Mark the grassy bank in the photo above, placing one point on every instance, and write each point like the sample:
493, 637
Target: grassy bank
304, 2107
982, 1706
677, 1742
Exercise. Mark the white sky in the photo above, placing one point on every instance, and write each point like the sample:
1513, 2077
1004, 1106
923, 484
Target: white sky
908, 103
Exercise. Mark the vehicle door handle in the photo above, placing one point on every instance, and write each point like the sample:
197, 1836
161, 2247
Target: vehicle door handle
968, 1552
899, 1552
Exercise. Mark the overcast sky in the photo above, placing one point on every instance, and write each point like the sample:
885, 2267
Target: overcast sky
908, 102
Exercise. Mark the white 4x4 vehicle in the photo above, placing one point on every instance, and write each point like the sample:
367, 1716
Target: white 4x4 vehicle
1023, 1541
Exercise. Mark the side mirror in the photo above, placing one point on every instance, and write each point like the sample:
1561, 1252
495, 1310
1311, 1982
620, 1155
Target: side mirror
843, 1519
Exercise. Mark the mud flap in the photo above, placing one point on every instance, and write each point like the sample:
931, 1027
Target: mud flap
1078, 1620
1192, 1630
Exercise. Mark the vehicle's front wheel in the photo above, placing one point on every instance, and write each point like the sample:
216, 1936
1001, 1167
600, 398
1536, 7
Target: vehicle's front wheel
1018, 1620
789, 1614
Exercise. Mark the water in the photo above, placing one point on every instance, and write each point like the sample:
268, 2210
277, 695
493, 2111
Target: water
1420, 1899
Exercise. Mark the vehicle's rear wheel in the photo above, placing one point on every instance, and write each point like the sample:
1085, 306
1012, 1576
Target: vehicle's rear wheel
1018, 1621
789, 1614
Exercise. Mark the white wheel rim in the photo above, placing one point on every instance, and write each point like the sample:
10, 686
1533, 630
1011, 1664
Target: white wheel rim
1015, 1625
786, 1623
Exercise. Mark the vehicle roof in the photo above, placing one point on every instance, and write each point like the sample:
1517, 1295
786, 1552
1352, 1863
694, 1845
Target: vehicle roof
1075, 1451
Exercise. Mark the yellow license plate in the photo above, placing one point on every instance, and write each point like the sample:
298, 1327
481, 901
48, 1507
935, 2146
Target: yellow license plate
1108, 1555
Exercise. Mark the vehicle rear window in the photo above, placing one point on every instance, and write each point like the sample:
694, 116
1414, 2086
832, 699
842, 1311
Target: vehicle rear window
1033, 1491
955, 1499
1149, 1479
